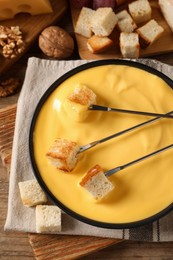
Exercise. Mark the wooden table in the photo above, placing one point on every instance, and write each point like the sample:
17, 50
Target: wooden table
15, 245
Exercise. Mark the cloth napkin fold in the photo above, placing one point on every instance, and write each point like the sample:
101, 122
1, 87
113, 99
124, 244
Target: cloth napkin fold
40, 75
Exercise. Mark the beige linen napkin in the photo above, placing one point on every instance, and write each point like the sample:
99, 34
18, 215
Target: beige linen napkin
40, 75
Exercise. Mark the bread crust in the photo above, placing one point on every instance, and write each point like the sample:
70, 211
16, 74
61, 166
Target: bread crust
144, 37
82, 95
31, 193
129, 50
98, 44
63, 154
91, 172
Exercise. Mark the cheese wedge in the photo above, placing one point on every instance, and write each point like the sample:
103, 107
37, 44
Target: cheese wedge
8, 8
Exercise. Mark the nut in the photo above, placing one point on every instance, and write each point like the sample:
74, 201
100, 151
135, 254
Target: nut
11, 41
9, 86
56, 42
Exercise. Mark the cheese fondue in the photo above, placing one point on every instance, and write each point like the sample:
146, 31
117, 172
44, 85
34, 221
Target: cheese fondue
141, 190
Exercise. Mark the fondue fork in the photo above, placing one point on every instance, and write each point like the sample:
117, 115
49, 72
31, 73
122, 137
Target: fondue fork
119, 110
119, 168
92, 144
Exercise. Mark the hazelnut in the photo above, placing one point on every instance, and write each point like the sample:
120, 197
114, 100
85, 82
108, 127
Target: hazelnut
56, 42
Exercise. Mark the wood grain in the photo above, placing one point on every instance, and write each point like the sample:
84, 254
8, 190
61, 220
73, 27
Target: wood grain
31, 26
47, 246
67, 247
163, 45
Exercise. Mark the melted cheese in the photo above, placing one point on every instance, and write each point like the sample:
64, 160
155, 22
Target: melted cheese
141, 190
8, 8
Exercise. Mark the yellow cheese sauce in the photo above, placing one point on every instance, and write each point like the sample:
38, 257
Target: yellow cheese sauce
141, 190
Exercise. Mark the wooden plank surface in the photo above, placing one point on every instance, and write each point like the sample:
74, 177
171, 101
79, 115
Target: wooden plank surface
47, 246
31, 26
163, 45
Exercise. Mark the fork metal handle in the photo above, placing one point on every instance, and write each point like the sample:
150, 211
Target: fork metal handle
119, 168
109, 109
92, 144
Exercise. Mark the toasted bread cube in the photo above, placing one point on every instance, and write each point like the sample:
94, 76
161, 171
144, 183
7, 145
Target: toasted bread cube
149, 33
96, 183
140, 11
77, 103
98, 44
129, 45
103, 21
63, 154
48, 219
125, 22
31, 193
83, 24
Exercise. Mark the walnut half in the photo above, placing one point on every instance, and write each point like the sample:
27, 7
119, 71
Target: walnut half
55, 42
11, 41
9, 86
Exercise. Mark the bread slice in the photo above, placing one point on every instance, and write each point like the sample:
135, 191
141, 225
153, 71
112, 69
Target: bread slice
83, 24
98, 44
103, 21
77, 103
140, 11
48, 219
31, 193
63, 154
125, 22
129, 45
166, 7
149, 33
96, 183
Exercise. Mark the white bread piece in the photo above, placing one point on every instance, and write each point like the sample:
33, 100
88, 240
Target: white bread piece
166, 7
63, 154
77, 103
125, 22
129, 45
140, 11
31, 193
96, 183
83, 24
103, 21
97, 44
48, 219
149, 33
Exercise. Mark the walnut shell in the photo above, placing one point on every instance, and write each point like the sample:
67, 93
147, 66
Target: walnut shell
56, 42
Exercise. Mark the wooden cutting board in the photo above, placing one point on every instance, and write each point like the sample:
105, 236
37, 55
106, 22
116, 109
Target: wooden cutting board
52, 247
31, 26
163, 45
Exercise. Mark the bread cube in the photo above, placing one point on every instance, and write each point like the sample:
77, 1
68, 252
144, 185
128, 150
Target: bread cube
96, 183
103, 21
149, 33
31, 193
129, 45
63, 154
83, 24
125, 22
48, 219
98, 44
77, 103
140, 11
